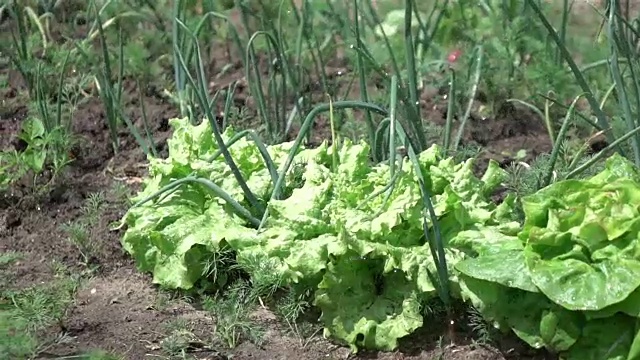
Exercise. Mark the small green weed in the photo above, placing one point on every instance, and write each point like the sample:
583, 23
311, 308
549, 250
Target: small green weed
165, 298
265, 279
8, 258
79, 231
121, 193
440, 349
44, 305
480, 327
291, 308
40, 151
25, 313
179, 339
232, 313
162, 301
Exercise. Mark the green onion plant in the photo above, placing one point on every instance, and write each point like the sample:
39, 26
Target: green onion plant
111, 88
624, 69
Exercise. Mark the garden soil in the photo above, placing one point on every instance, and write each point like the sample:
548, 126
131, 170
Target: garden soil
118, 309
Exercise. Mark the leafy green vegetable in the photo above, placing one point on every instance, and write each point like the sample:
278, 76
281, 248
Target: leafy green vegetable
350, 233
574, 267
582, 239
609, 339
383, 307
506, 267
543, 324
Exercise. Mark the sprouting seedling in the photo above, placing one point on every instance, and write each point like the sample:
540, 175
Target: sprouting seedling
93, 205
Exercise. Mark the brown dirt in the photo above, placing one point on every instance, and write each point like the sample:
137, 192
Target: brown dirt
118, 309
500, 137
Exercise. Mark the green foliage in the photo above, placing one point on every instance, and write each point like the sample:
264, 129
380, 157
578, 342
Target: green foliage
353, 235
518, 61
25, 313
350, 233
343, 234
232, 312
575, 268
43, 150
79, 231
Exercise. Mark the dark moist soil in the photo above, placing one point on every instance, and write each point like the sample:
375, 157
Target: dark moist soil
118, 309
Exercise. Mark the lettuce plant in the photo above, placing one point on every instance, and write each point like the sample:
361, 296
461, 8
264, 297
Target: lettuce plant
351, 232
574, 267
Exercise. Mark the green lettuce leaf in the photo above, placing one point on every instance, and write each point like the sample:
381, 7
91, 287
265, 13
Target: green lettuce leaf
542, 325
366, 307
617, 167
582, 241
604, 339
629, 306
175, 241
505, 267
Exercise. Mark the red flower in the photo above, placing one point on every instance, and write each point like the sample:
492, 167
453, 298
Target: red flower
453, 56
